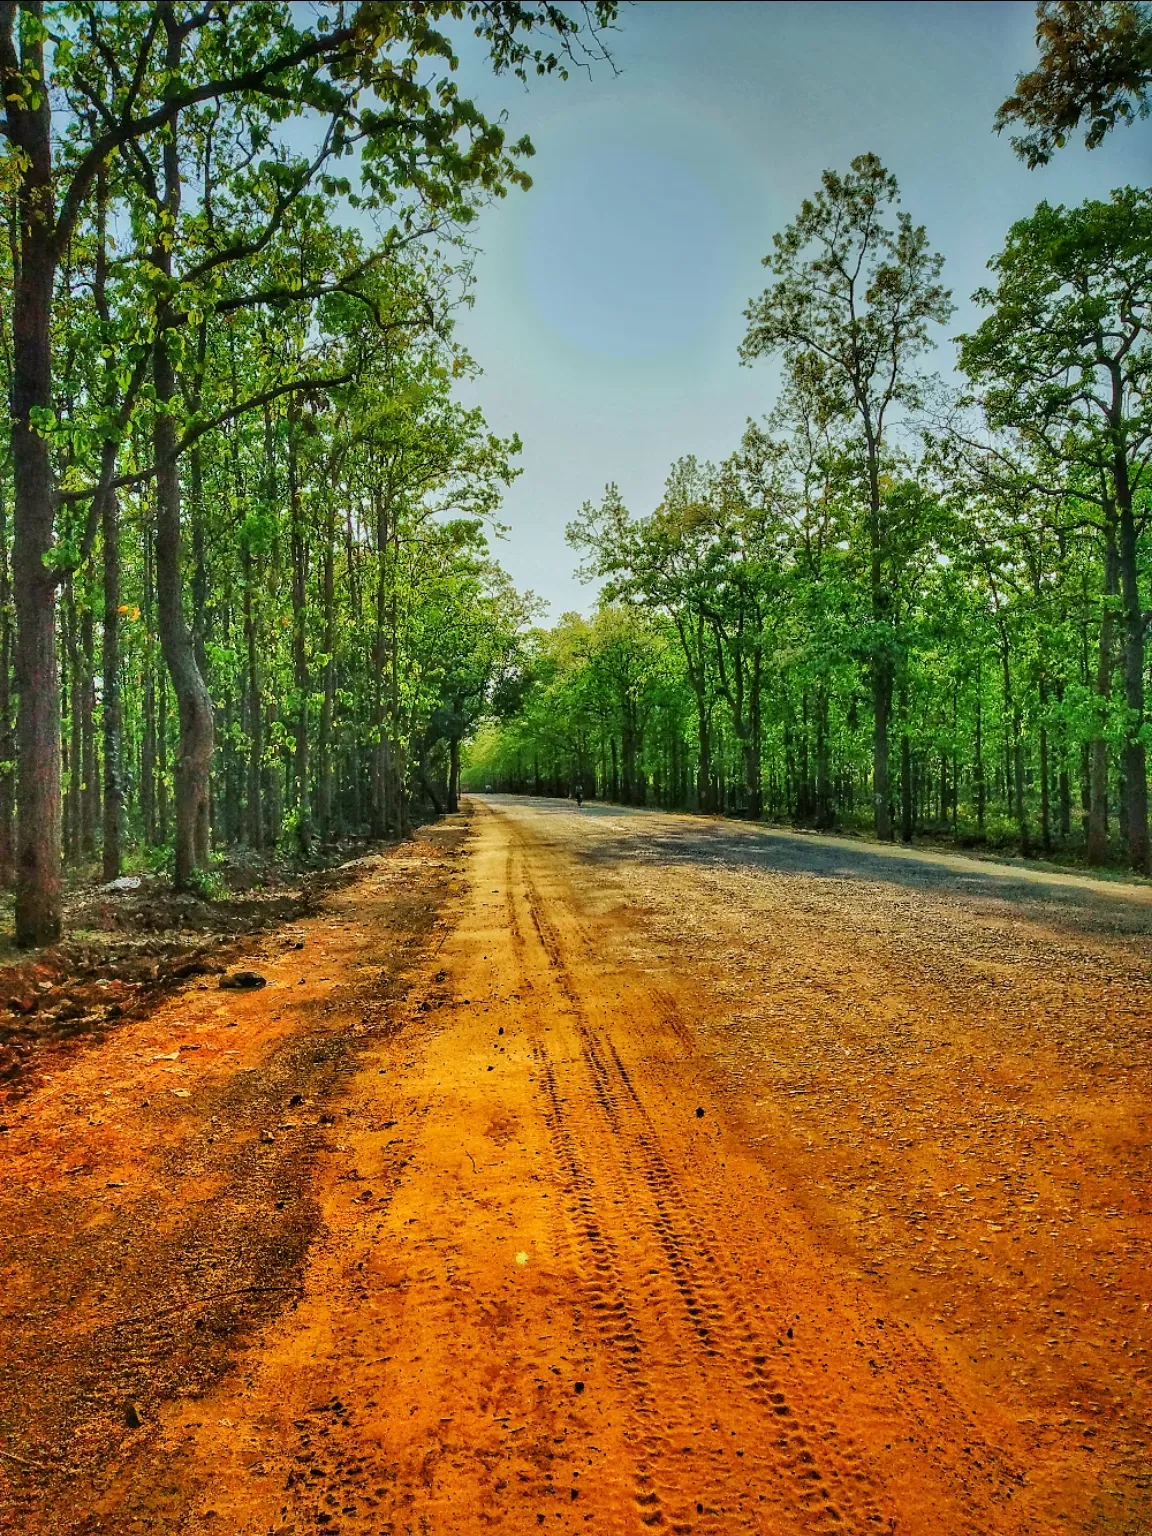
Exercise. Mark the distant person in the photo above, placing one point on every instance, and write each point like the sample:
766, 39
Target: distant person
578, 795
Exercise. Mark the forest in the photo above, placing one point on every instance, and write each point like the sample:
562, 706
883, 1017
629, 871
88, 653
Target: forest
896, 606
245, 588
247, 594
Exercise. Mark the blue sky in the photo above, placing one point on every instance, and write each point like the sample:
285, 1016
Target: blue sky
610, 297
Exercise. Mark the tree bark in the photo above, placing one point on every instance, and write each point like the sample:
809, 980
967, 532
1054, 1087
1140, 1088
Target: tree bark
454, 773
1097, 849
299, 636
380, 655
194, 707
327, 708
704, 795
821, 790
882, 709
254, 709
1135, 766
978, 764
149, 798
37, 676
90, 802
905, 788
7, 740
110, 667
753, 747
881, 660
1018, 766
74, 818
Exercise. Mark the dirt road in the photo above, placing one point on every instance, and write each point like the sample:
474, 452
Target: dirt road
607, 1171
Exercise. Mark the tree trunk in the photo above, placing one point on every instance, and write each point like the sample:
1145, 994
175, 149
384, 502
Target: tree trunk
1018, 766
299, 637
380, 653
1135, 767
882, 709
1097, 849
162, 757
37, 674
753, 746
978, 764
1085, 790
67, 725
704, 796
824, 817
1015, 749
194, 707
905, 788
110, 667
7, 741
454, 773
327, 709
628, 757
90, 804
75, 818
148, 747
803, 771
273, 800
881, 660
254, 708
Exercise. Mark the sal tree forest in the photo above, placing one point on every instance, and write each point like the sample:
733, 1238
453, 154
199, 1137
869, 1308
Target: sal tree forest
246, 591
897, 606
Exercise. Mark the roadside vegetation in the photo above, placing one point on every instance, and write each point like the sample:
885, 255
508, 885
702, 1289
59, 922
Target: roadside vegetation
896, 607
245, 590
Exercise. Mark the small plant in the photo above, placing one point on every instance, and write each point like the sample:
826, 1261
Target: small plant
288, 843
295, 839
160, 859
206, 884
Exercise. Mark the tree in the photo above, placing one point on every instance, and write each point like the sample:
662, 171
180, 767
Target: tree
850, 313
1095, 69
1064, 359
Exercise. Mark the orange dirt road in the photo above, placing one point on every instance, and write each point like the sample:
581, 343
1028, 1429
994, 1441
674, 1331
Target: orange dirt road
604, 1171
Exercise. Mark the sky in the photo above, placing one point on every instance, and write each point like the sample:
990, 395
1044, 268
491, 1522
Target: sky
609, 298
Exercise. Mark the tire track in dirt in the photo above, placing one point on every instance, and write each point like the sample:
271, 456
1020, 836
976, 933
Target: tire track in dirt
586, 1238
688, 1274
820, 1476
914, 1364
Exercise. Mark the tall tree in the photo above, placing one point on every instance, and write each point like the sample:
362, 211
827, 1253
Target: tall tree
850, 312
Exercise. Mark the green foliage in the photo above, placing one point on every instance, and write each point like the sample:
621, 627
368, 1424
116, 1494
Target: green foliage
1095, 71
207, 885
268, 201
983, 598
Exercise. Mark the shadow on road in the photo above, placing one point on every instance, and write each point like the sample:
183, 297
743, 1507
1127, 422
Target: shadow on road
628, 833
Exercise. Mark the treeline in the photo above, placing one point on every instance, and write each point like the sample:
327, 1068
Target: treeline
245, 593
887, 608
